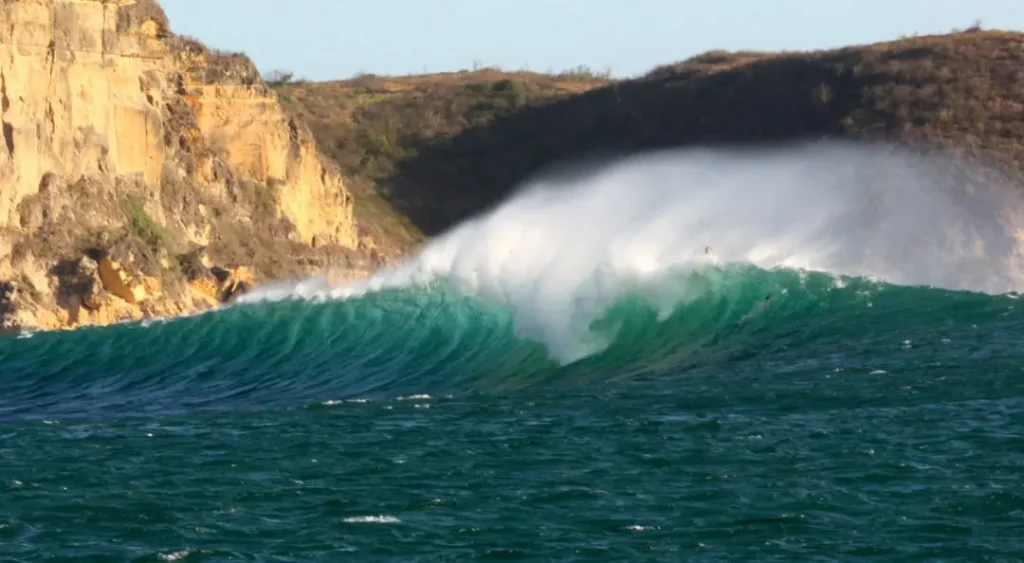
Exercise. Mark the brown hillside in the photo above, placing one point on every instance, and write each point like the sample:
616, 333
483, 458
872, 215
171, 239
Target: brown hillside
371, 125
962, 91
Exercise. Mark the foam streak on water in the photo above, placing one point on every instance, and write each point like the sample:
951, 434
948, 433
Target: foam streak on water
561, 251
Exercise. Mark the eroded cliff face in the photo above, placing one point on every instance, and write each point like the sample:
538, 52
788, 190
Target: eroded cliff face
143, 175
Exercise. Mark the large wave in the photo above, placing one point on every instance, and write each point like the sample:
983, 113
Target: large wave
816, 261
659, 225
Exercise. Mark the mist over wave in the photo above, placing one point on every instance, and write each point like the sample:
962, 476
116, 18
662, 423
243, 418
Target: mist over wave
662, 226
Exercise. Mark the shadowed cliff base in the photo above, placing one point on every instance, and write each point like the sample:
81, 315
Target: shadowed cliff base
962, 92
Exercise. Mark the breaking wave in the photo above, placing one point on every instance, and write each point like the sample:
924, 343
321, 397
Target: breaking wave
649, 266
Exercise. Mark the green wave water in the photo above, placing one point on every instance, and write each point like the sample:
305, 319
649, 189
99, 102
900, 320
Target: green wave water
436, 341
544, 385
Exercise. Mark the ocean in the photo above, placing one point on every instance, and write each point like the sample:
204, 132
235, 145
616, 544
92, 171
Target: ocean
804, 354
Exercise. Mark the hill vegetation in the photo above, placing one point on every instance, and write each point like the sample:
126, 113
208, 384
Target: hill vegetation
440, 148
371, 126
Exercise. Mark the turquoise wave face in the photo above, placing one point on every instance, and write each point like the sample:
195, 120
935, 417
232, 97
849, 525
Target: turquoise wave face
435, 340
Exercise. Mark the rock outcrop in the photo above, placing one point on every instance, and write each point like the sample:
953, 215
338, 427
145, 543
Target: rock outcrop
126, 150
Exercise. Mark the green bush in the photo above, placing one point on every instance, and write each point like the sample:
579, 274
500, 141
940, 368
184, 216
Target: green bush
142, 224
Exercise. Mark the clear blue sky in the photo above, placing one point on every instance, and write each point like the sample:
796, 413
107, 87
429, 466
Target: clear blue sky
332, 39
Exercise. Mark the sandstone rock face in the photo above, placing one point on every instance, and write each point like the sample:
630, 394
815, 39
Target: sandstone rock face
120, 139
247, 129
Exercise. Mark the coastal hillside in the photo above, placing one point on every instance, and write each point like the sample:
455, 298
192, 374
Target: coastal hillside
962, 92
142, 174
372, 125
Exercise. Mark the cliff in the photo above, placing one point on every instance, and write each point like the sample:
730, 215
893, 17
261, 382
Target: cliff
142, 174
960, 93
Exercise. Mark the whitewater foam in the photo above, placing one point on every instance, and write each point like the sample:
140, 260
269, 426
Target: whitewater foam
663, 226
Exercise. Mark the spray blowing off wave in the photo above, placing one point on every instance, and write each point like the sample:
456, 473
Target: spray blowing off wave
562, 251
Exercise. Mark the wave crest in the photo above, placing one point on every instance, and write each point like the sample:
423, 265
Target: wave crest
661, 225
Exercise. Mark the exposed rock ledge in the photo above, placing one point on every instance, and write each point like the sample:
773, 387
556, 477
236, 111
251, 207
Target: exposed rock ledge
96, 290
129, 154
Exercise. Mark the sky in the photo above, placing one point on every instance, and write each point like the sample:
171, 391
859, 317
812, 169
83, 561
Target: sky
337, 39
